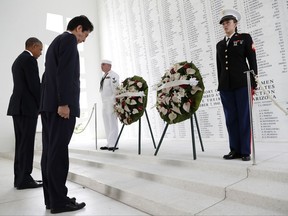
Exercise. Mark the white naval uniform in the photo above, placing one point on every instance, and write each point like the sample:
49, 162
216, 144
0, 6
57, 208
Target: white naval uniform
108, 99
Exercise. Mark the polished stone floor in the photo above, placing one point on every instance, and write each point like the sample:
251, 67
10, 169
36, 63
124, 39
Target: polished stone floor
30, 201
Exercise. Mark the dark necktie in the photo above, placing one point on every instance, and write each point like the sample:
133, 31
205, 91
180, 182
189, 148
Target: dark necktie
102, 81
227, 41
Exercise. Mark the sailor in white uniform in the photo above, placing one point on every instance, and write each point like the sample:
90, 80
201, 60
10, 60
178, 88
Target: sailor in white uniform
108, 84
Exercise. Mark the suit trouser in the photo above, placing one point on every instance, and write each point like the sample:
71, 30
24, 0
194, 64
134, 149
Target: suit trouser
110, 122
56, 135
236, 110
25, 129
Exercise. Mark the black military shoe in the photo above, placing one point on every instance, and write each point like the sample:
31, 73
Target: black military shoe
246, 158
231, 155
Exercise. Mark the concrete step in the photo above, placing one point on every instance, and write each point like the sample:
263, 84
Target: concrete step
180, 174
266, 185
141, 183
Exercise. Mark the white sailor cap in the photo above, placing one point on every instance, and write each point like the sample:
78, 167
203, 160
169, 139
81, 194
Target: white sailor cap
105, 61
229, 14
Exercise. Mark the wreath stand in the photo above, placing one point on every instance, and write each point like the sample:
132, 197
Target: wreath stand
139, 134
192, 134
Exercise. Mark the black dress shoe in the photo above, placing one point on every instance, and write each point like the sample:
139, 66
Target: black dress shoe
112, 148
68, 207
104, 148
72, 200
246, 158
28, 185
232, 155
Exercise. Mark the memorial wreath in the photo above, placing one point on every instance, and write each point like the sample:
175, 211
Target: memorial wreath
179, 93
131, 99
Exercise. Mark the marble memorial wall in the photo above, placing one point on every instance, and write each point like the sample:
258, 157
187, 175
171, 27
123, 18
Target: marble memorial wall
145, 37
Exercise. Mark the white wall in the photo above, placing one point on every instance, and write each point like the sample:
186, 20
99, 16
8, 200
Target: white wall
23, 19
147, 37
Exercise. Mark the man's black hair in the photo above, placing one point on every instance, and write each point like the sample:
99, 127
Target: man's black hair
80, 20
31, 41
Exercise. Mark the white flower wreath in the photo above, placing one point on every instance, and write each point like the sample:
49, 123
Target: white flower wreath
131, 99
179, 93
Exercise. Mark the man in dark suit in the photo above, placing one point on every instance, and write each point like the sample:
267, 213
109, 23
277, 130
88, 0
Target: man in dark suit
24, 109
233, 52
59, 108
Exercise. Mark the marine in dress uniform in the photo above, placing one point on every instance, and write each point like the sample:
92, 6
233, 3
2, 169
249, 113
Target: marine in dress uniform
108, 85
233, 52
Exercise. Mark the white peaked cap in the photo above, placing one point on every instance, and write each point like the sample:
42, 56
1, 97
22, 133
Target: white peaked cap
105, 61
229, 14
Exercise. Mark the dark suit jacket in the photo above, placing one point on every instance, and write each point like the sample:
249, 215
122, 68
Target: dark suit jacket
232, 62
61, 79
25, 98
